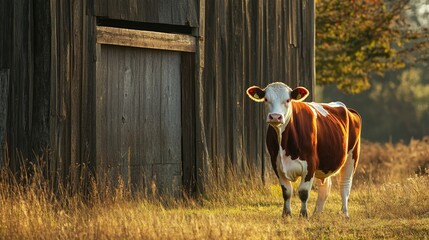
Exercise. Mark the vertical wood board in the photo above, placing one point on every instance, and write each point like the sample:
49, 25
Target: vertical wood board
142, 108
4, 92
173, 12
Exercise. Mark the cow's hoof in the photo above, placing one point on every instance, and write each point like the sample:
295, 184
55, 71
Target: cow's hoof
286, 214
304, 214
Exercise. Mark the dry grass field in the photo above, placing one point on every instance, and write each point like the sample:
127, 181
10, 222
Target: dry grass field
389, 199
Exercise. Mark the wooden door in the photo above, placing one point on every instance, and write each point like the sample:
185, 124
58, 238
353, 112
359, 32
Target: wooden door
139, 118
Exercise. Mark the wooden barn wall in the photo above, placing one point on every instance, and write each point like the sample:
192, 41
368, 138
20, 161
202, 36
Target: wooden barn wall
72, 105
47, 51
48, 56
249, 43
172, 12
24, 56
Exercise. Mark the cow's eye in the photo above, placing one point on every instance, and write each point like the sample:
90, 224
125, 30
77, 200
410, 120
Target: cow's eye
287, 101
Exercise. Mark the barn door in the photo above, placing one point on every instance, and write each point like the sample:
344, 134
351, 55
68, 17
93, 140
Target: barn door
139, 118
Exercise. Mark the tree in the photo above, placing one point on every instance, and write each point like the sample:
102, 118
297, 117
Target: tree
393, 110
356, 38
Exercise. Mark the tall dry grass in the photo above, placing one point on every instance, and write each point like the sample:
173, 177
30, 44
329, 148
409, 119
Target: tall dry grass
388, 200
387, 162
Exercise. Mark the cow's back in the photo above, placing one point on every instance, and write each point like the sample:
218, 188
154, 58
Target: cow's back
333, 127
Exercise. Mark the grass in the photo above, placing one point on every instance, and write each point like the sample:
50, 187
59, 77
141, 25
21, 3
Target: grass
397, 207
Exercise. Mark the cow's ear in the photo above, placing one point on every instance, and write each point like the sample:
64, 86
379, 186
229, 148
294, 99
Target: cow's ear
256, 94
299, 94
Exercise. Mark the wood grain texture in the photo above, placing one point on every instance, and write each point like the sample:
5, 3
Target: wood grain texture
202, 123
100, 115
4, 93
173, 12
139, 96
71, 103
188, 115
21, 52
145, 39
250, 43
63, 93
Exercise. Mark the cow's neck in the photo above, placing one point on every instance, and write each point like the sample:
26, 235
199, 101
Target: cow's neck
287, 138
279, 131
284, 127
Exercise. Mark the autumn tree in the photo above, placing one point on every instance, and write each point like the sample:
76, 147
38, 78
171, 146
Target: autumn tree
357, 38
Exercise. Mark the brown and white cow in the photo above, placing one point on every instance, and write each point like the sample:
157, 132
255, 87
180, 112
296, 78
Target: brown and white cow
309, 140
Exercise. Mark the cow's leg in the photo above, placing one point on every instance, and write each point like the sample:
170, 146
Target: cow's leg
304, 193
346, 178
324, 190
287, 191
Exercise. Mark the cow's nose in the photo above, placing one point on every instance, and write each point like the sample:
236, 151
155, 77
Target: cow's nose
275, 117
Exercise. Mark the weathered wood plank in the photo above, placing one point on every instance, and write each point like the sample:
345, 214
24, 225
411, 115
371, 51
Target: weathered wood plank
76, 92
179, 9
247, 57
135, 58
255, 127
88, 102
4, 93
26, 55
308, 46
63, 93
167, 179
193, 12
143, 60
120, 154
202, 152
132, 9
100, 8
126, 99
188, 122
205, 82
152, 102
238, 88
41, 80
113, 133
141, 176
146, 39
113, 8
165, 9
171, 127
222, 63
6, 21
177, 12
100, 115
20, 81
53, 90
171, 124
148, 11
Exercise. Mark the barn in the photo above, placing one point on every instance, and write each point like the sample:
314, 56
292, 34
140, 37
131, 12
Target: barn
150, 92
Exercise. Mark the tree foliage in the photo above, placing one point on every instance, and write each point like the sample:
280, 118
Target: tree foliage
356, 38
393, 110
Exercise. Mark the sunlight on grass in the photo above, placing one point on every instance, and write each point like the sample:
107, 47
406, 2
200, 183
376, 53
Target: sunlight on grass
237, 208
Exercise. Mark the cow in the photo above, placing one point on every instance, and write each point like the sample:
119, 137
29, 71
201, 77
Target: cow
311, 141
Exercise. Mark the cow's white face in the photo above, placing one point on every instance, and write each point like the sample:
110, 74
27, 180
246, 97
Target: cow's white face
278, 99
